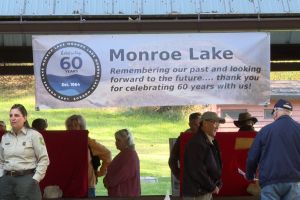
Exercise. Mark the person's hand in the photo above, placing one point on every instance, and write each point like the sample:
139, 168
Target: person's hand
241, 172
35, 181
216, 190
101, 173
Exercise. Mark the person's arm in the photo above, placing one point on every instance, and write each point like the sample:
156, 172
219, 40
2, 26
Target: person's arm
253, 157
41, 156
174, 159
1, 160
103, 153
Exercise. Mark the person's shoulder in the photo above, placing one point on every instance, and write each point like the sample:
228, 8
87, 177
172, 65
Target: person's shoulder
187, 131
7, 134
186, 134
32, 132
92, 142
95, 145
293, 120
91, 139
267, 129
131, 152
196, 138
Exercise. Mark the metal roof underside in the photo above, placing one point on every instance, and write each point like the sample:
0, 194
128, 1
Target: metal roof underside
145, 7
20, 19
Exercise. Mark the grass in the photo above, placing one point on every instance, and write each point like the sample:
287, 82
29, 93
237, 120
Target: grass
151, 130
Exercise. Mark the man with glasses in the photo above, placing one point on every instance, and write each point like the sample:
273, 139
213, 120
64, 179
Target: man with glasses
276, 150
202, 161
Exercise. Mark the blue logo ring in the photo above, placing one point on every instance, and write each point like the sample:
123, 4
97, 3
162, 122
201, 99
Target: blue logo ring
61, 90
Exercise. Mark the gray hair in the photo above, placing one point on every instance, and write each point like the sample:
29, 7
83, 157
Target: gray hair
125, 134
287, 112
282, 111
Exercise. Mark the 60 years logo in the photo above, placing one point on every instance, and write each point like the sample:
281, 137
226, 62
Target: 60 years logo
70, 71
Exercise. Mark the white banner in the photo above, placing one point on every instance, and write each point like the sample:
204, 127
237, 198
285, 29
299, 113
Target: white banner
151, 69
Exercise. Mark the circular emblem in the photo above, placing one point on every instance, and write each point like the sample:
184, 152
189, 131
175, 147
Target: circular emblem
70, 71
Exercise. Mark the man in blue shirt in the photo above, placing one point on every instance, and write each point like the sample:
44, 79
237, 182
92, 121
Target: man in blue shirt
276, 153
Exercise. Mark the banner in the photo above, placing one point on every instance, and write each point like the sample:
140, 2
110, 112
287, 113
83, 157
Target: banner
151, 69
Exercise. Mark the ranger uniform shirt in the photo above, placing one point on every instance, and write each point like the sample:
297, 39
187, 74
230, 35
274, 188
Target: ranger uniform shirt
23, 151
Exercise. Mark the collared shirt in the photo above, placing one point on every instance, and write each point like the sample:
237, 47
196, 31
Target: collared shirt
210, 138
23, 151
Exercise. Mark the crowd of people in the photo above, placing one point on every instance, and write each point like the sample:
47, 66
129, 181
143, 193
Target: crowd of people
195, 159
273, 158
24, 159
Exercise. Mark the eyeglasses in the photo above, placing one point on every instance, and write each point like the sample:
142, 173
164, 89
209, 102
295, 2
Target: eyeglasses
276, 109
212, 121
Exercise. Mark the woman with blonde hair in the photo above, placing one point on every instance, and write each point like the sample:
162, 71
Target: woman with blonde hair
77, 122
123, 173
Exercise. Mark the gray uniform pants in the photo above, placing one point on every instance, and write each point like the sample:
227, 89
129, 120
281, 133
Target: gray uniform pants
19, 188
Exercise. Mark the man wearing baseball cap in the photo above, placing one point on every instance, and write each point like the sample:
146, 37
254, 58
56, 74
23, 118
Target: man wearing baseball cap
276, 150
202, 161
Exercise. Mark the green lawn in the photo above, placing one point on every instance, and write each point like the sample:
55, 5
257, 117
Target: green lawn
151, 131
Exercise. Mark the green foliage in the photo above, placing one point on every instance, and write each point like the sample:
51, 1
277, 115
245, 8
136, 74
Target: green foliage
161, 187
292, 75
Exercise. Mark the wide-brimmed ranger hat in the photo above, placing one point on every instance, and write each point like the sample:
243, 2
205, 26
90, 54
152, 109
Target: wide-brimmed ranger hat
244, 117
283, 104
212, 116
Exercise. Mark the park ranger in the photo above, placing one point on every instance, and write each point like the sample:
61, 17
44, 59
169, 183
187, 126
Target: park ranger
23, 159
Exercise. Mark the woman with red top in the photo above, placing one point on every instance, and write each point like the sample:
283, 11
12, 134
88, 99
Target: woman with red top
123, 173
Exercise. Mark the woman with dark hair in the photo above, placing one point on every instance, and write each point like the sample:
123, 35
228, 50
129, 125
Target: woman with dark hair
39, 124
23, 158
123, 173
